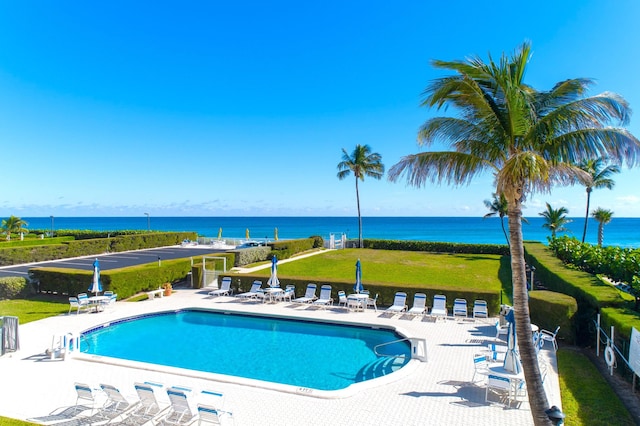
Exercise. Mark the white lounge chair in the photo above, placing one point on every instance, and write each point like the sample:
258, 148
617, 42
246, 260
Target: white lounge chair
116, 405
399, 303
480, 309
179, 412
225, 288
325, 296
439, 309
147, 407
211, 409
309, 295
253, 292
460, 308
419, 304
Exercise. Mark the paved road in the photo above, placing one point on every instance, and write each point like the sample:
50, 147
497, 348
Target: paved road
113, 260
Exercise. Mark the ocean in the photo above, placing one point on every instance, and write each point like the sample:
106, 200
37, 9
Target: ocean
623, 232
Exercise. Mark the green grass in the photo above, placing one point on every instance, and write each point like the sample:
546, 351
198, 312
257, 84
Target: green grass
411, 269
6, 421
587, 398
34, 308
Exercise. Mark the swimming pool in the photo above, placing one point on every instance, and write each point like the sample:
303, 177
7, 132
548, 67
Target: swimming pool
306, 354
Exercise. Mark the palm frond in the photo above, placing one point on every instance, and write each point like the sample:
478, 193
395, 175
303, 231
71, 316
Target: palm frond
436, 167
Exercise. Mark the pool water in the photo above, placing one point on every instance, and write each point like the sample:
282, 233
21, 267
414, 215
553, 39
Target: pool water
301, 353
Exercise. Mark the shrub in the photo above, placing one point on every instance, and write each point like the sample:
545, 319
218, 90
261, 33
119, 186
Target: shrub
251, 255
549, 310
437, 247
286, 249
12, 287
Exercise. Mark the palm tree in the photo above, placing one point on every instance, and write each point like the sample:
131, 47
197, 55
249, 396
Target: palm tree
598, 177
529, 140
603, 217
498, 206
12, 225
555, 219
362, 162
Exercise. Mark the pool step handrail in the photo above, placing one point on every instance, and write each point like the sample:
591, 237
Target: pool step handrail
418, 348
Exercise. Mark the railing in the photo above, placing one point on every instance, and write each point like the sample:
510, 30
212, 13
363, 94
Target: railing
418, 348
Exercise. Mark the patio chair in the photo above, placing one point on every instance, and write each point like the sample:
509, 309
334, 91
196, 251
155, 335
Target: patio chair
288, 294
399, 303
309, 295
355, 304
480, 366
225, 288
439, 309
419, 304
147, 407
74, 303
342, 298
325, 296
373, 302
253, 292
500, 386
501, 330
548, 336
179, 412
480, 309
460, 308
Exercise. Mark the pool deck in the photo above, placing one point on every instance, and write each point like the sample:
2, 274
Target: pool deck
436, 392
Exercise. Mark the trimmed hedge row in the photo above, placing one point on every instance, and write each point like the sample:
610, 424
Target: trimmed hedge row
88, 234
12, 287
286, 249
591, 293
437, 247
251, 255
549, 309
19, 255
124, 281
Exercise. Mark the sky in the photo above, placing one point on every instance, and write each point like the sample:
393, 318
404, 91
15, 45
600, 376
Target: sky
210, 108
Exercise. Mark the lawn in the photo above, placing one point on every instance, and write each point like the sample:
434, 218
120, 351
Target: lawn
587, 399
34, 308
406, 268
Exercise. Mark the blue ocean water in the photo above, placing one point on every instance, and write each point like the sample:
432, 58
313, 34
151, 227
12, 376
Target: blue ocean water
624, 232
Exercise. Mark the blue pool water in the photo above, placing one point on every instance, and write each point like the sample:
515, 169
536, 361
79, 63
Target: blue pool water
300, 353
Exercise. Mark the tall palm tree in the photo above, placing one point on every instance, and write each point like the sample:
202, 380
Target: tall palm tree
598, 177
603, 217
529, 140
362, 162
498, 206
555, 219
13, 225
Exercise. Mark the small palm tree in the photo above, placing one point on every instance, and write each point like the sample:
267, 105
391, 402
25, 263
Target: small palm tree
555, 219
362, 162
13, 225
498, 207
603, 217
597, 177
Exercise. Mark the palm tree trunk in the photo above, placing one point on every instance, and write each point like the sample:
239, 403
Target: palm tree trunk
504, 231
600, 233
535, 389
359, 217
586, 215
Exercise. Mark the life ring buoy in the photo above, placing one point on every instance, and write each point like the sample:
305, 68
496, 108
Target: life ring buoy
609, 356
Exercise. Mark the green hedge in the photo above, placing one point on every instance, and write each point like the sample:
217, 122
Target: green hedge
34, 242
86, 247
124, 281
88, 234
437, 247
286, 249
12, 287
549, 310
251, 255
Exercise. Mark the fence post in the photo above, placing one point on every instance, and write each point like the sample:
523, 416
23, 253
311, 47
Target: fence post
598, 337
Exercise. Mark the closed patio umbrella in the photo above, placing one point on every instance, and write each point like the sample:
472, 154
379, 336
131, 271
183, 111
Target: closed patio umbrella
275, 234
512, 357
96, 283
246, 234
220, 233
273, 279
358, 286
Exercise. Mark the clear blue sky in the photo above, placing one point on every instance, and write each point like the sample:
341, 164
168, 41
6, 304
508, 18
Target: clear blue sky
207, 108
